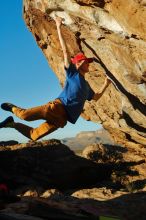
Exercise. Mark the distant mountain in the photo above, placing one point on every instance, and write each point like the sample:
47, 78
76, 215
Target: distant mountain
81, 140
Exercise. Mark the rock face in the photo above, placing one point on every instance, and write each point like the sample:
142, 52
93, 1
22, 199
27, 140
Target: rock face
114, 33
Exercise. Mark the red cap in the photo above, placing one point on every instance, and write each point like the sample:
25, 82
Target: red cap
80, 57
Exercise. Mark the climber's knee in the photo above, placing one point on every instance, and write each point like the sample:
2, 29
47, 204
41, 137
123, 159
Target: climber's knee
23, 114
41, 131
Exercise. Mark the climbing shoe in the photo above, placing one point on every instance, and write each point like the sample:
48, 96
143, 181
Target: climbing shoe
7, 123
7, 106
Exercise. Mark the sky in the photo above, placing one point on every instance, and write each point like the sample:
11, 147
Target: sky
26, 79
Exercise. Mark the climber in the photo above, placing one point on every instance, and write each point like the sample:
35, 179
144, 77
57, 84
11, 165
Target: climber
68, 105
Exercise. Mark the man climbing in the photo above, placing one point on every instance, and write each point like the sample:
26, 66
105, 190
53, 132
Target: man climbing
69, 104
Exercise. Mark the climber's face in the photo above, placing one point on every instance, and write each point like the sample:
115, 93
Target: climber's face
83, 66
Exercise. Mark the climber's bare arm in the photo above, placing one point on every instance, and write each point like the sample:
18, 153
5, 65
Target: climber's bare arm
66, 55
102, 90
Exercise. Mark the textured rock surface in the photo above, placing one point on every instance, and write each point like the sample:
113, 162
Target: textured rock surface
42, 164
51, 182
115, 31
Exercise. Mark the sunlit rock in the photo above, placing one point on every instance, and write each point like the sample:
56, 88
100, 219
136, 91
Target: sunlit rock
114, 33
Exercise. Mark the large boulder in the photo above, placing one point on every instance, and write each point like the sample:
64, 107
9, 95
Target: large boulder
114, 33
46, 180
48, 164
51, 164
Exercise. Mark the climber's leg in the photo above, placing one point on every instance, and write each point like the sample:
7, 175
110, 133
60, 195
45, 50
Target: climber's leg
35, 133
53, 112
56, 118
30, 114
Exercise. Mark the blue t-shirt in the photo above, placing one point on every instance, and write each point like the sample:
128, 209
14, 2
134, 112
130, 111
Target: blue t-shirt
75, 92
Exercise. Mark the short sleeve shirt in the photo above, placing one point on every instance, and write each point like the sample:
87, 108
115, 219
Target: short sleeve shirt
74, 94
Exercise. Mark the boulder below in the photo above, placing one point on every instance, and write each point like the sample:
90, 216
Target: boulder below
48, 180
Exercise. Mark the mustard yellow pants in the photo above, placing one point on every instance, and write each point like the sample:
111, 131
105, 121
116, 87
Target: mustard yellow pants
53, 113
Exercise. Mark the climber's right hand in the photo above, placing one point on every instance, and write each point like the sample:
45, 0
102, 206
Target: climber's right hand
58, 21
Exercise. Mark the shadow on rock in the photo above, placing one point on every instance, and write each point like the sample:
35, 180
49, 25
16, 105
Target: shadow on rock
50, 164
104, 152
130, 206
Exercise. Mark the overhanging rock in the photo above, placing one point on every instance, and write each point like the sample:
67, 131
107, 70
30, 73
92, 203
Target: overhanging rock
114, 33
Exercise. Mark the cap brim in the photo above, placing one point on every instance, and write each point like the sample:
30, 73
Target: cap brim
89, 60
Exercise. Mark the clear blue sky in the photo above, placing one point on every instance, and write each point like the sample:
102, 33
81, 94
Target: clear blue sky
25, 77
